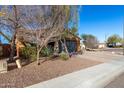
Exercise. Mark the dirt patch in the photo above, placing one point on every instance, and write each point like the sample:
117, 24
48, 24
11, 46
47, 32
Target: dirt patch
32, 73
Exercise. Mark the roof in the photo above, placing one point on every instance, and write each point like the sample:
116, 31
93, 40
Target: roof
101, 43
29, 35
74, 35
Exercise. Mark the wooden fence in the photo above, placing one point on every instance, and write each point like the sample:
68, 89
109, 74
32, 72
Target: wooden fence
5, 50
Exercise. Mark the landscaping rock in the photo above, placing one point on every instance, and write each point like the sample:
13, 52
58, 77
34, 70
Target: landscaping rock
32, 74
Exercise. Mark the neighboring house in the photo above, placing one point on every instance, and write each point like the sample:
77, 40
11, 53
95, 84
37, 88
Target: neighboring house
82, 46
101, 45
114, 44
119, 44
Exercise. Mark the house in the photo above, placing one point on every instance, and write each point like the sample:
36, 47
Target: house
72, 41
101, 45
114, 44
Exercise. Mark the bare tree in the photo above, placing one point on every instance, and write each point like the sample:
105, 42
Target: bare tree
72, 17
89, 40
12, 21
40, 22
46, 22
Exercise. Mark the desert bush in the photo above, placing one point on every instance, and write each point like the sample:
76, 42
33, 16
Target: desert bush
64, 56
29, 53
46, 52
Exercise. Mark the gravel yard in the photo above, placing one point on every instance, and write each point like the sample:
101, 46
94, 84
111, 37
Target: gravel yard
31, 74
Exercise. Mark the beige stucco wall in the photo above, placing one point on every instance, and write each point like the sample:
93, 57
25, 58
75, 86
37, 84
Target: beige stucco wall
101, 46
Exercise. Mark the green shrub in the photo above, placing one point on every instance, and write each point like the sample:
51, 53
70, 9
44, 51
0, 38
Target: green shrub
29, 53
46, 52
64, 56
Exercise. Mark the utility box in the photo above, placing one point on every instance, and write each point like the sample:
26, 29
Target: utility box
3, 66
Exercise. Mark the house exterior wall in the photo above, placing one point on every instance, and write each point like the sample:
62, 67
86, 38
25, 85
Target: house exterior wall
101, 46
1, 50
78, 45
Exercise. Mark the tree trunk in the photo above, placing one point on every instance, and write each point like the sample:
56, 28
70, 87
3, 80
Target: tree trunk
66, 49
62, 44
38, 54
17, 50
56, 47
12, 53
18, 61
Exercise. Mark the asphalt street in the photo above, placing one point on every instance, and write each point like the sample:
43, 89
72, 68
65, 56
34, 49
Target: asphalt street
114, 50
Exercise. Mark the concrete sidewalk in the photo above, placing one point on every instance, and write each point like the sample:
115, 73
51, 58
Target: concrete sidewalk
96, 76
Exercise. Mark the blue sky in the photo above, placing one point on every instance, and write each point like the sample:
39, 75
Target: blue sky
101, 20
